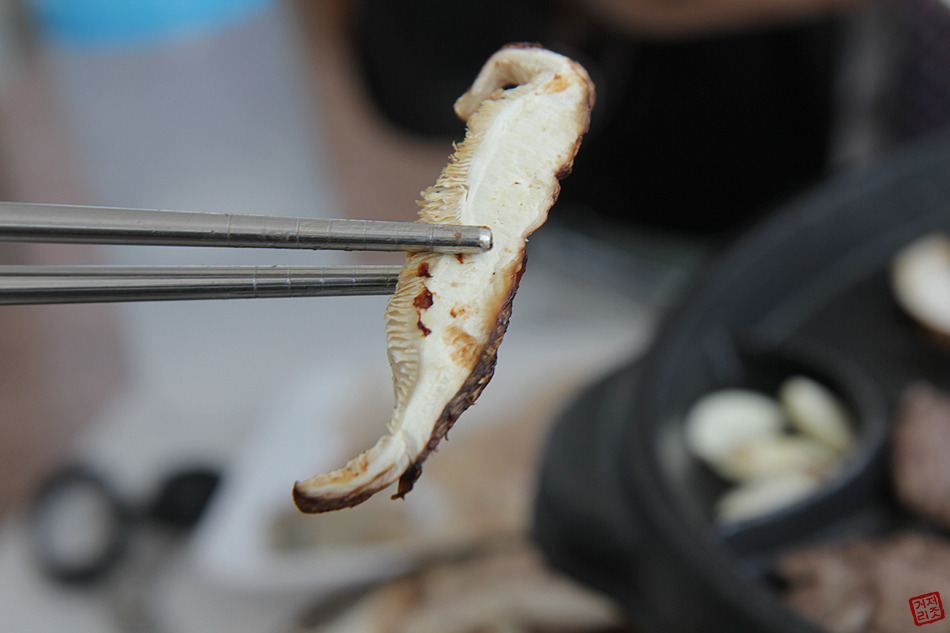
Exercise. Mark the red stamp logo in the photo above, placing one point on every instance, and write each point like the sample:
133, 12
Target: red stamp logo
927, 608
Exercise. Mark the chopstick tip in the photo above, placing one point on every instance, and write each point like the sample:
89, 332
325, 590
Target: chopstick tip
485, 241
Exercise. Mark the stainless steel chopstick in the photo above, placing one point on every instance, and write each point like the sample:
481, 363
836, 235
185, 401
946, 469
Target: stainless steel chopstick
85, 284
106, 225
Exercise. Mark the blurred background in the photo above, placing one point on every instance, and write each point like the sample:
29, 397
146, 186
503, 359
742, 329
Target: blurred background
182, 426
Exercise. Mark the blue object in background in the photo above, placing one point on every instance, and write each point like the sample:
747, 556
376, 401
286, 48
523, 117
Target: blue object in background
132, 23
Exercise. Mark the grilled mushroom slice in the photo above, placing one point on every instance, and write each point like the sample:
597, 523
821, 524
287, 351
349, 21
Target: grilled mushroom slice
526, 111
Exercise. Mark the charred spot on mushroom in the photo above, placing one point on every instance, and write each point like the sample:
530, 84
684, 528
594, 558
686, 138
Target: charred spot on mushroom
425, 331
408, 480
423, 300
525, 133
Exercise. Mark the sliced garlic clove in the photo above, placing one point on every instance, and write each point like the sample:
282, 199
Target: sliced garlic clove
722, 421
772, 456
815, 411
759, 497
920, 276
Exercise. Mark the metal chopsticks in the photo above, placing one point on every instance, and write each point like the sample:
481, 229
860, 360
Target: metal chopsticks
106, 225
69, 284
85, 284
